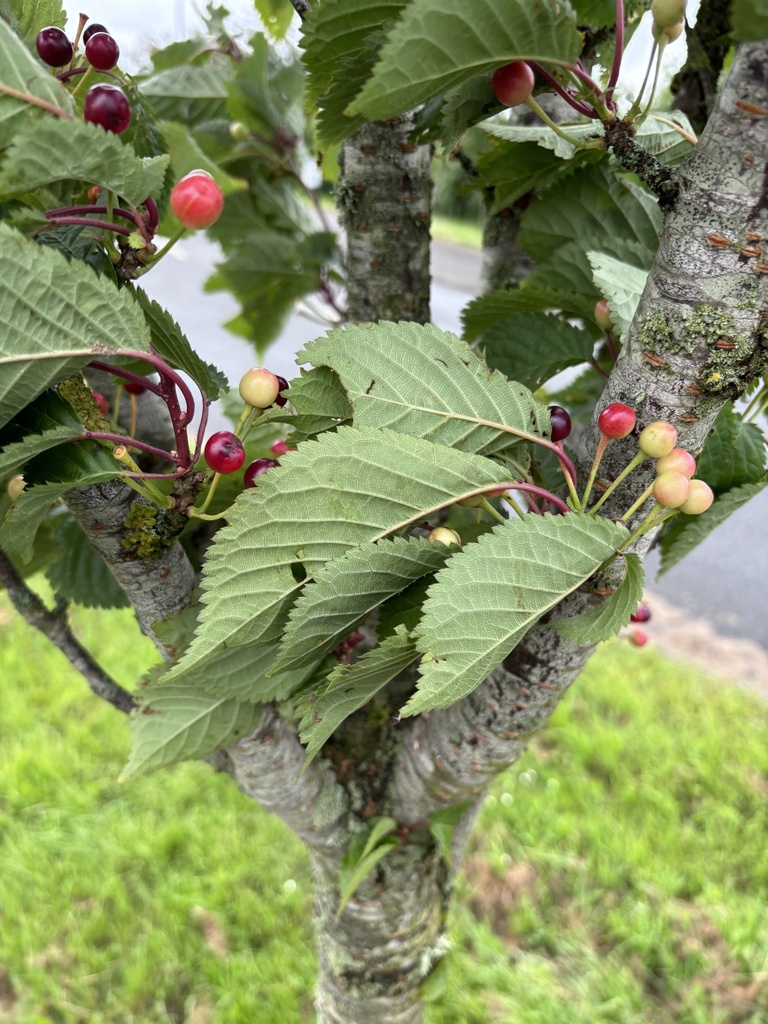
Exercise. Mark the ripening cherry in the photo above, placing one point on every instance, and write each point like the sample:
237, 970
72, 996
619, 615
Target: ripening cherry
513, 83
107, 106
53, 47
197, 201
642, 613
616, 421
700, 497
259, 387
667, 13
442, 535
638, 638
224, 452
101, 51
561, 422
15, 486
101, 402
657, 439
280, 447
602, 316
671, 489
678, 459
257, 469
668, 35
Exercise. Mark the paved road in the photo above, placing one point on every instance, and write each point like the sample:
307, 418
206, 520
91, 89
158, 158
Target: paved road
723, 581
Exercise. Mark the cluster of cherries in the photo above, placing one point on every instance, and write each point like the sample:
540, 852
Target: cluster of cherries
224, 452
105, 104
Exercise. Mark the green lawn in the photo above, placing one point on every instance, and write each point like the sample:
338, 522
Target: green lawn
619, 873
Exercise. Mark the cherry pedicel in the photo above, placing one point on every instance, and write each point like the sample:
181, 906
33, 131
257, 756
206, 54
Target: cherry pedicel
197, 201
108, 107
616, 421
53, 47
561, 422
92, 30
101, 51
257, 469
642, 613
513, 83
224, 452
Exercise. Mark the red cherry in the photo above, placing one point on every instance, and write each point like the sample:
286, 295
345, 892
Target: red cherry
513, 83
107, 106
638, 637
257, 469
101, 402
92, 30
280, 400
561, 422
224, 452
53, 47
101, 51
642, 613
197, 201
134, 388
280, 447
616, 420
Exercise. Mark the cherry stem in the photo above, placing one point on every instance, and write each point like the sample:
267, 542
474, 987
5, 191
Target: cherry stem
122, 455
87, 222
578, 105
602, 445
128, 442
678, 128
658, 515
152, 215
86, 76
211, 491
640, 457
531, 103
488, 507
63, 76
201, 428
82, 22
521, 485
642, 116
168, 246
68, 211
134, 414
640, 501
634, 109
617, 55
596, 366
514, 505
17, 94
134, 378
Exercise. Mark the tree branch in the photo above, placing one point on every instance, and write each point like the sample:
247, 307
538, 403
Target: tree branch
301, 7
54, 625
698, 294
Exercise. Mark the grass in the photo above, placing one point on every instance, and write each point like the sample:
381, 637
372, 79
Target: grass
618, 873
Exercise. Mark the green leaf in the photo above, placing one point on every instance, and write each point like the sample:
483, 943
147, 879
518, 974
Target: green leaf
171, 343
275, 15
334, 493
441, 826
341, 40
426, 382
186, 155
483, 312
363, 854
54, 317
20, 71
621, 285
320, 402
349, 687
664, 141
684, 533
347, 589
77, 465
733, 454
189, 93
612, 614
179, 723
240, 673
749, 19
80, 574
404, 609
437, 44
541, 135
517, 170
77, 242
532, 347
84, 152
32, 15
45, 423
492, 592
594, 203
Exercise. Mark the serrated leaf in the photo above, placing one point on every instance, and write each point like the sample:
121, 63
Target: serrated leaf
341, 40
347, 589
32, 15
46, 423
483, 312
77, 465
517, 170
608, 618
189, 93
492, 592
54, 316
332, 494
663, 140
275, 15
349, 687
685, 533
84, 152
437, 44
733, 453
20, 71
621, 285
426, 382
80, 574
544, 136
320, 401
404, 609
179, 723
172, 344
187, 155
532, 347
594, 203
364, 853
77, 242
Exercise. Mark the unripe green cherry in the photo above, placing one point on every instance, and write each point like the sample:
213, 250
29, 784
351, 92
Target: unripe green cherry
668, 35
678, 459
442, 535
667, 13
15, 486
603, 316
700, 497
658, 439
671, 489
259, 387
238, 131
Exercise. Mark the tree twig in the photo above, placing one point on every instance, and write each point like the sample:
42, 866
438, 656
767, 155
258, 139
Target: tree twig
54, 625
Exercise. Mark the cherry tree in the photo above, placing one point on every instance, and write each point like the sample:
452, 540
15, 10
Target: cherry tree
377, 585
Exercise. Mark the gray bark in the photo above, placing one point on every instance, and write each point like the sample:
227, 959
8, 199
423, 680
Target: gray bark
384, 201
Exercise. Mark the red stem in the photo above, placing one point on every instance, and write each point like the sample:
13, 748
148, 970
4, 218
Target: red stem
542, 492
579, 105
617, 56
63, 76
9, 91
128, 442
152, 215
87, 222
134, 378
67, 211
